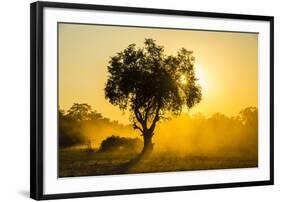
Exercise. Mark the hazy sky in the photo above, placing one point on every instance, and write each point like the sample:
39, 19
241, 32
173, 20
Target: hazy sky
226, 65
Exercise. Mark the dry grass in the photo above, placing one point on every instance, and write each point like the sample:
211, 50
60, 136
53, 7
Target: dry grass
79, 162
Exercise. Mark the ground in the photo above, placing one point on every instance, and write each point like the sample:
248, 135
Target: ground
80, 162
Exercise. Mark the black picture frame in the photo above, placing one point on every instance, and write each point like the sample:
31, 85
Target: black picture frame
36, 98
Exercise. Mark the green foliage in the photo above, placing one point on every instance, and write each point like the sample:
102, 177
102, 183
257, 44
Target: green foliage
149, 83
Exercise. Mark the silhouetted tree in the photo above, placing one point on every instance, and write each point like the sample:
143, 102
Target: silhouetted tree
82, 112
249, 116
151, 84
72, 122
69, 128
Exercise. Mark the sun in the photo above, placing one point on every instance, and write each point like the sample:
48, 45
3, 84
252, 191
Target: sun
183, 79
203, 78
200, 75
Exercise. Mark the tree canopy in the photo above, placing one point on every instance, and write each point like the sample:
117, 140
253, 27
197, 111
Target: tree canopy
150, 84
82, 112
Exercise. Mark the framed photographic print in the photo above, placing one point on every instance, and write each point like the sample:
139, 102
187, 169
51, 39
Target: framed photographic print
136, 100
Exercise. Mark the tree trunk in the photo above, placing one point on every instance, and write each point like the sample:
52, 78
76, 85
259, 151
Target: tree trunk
148, 145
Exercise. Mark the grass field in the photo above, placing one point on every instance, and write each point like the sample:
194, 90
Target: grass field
79, 162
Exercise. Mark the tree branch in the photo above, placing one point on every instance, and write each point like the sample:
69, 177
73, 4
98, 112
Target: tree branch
137, 127
138, 115
149, 105
156, 118
140, 119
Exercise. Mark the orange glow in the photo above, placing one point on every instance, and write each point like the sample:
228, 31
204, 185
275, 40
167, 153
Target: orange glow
226, 65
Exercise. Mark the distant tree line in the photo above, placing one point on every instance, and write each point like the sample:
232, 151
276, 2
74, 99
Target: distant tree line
71, 124
195, 132
218, 134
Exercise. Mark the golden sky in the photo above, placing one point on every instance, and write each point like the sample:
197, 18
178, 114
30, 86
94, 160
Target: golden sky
226, 65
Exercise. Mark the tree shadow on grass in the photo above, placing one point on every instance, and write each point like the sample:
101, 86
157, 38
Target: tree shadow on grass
125, 168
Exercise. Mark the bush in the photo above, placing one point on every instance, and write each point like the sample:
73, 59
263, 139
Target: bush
116, 143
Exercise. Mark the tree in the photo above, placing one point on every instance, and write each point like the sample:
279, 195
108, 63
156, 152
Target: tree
151, 85
249, 116
69, 130
72, 122
82, 112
